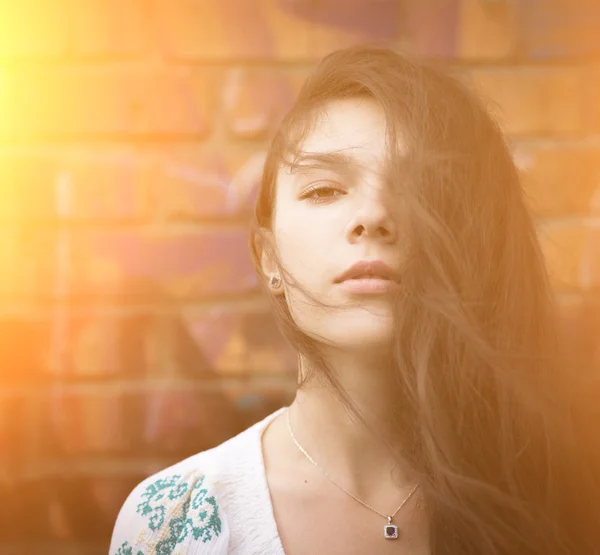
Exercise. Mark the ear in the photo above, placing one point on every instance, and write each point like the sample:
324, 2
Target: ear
268, 262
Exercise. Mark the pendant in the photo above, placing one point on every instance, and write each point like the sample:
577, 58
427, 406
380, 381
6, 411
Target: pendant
390, 530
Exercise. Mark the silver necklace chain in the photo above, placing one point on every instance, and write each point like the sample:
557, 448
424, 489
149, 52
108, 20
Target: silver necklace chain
389, 517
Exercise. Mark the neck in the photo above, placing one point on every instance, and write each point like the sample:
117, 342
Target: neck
344, 447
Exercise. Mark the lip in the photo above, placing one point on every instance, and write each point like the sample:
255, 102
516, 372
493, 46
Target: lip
368, 286
377, 269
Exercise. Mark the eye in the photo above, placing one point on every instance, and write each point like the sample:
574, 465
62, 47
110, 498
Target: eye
320, 194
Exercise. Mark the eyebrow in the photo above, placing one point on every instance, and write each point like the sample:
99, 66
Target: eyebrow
316, 160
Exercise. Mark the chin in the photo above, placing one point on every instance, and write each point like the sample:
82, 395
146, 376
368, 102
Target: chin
364, 331
369, 339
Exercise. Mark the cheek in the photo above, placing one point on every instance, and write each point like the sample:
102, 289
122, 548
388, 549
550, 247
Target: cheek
300, 250
300, 237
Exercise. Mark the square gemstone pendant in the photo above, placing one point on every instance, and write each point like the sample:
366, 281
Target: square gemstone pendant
390, 531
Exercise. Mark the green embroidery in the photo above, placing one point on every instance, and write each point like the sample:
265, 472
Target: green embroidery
199, 513
126, 549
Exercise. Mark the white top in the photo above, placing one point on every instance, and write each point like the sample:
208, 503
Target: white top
216, 502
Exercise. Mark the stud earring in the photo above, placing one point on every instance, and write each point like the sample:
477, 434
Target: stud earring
275, 281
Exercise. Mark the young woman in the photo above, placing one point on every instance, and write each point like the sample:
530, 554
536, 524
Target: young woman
433, 413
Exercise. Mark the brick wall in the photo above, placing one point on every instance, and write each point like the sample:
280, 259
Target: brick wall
132, 135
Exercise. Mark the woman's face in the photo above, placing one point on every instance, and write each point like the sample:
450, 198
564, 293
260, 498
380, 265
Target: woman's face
333, 212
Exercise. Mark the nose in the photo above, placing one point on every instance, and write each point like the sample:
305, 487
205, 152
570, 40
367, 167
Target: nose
373, 219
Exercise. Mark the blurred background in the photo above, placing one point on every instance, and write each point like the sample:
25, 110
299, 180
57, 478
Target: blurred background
132, 137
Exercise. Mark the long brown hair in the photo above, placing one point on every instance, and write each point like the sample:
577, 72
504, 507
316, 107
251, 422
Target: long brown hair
488, 415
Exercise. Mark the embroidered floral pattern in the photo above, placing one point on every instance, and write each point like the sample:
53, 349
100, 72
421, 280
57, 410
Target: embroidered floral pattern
126, 549
198, 516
